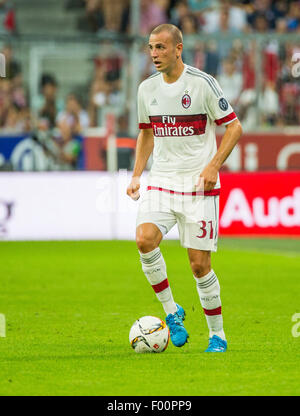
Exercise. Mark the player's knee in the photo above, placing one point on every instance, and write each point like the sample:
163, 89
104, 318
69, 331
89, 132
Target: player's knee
200, 269
148, 237
145, 243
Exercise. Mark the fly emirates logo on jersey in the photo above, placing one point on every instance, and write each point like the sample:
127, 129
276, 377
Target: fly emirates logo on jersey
178, 126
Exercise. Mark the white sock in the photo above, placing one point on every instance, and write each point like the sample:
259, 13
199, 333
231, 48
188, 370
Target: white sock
154, 267
208, 288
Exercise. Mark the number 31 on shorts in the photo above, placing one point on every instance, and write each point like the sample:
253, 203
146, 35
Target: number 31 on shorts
206, 229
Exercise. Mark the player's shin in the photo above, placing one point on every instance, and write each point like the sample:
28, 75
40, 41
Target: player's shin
154, 267
208, 288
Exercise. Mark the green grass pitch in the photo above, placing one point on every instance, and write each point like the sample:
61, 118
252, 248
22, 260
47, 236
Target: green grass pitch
69, 307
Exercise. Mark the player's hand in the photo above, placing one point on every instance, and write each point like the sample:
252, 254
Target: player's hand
208, 178
133, 188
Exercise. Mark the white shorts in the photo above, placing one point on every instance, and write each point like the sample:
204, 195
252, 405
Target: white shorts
197, 217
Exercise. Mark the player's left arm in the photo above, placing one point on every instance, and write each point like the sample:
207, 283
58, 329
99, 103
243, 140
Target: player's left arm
230, 138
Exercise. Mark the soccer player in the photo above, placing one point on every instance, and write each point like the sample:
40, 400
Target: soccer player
178, 109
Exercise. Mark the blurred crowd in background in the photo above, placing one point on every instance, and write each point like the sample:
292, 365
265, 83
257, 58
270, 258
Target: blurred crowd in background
192, 16
232, 62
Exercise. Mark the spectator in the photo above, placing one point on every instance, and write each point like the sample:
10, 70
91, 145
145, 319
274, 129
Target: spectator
293, 16
115, 15
73, 120
280, 8
153, 14
290, 104
93, 19
48, 105
260, 23
125, 18
13, 67
71, 123
14, 76
17, 121
262, 9
271, 61
281, 25
268, 104
222, 15
231, 81
105, 15
237, 53
212, 58
125, 144
178, 12
106, 90
7, 17
189, 25
109, 61
237, 16
13, 117
14, 113
270, 64
289, 89
5, 100
104, 95
18, 91
225, 28
97, 95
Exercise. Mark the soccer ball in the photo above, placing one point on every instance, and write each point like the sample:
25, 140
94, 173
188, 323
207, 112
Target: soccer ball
149, 334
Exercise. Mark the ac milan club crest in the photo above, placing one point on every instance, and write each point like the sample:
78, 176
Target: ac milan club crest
186, 101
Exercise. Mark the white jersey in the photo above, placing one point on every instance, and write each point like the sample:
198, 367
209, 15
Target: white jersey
183, 116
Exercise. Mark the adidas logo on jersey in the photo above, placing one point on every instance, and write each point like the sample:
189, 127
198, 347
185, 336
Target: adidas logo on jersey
154, 102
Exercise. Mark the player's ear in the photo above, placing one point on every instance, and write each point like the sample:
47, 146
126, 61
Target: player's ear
179, 48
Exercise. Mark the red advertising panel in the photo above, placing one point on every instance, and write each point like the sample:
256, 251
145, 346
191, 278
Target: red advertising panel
264, 151
262, 204
254, 152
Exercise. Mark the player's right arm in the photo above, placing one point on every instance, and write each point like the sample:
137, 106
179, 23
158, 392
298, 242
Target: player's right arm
144, 148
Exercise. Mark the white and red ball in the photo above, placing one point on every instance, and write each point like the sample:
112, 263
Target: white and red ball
149, 334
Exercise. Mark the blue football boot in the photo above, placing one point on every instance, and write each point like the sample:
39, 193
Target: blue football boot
180, 312
216, 344
178, 333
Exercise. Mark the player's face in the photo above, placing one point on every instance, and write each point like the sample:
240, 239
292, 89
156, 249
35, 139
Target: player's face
163, 51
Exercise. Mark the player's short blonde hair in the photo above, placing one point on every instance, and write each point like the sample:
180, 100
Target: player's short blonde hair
175, 33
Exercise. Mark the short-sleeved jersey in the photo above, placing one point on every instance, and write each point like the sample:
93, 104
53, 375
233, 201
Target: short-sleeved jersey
183, 116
